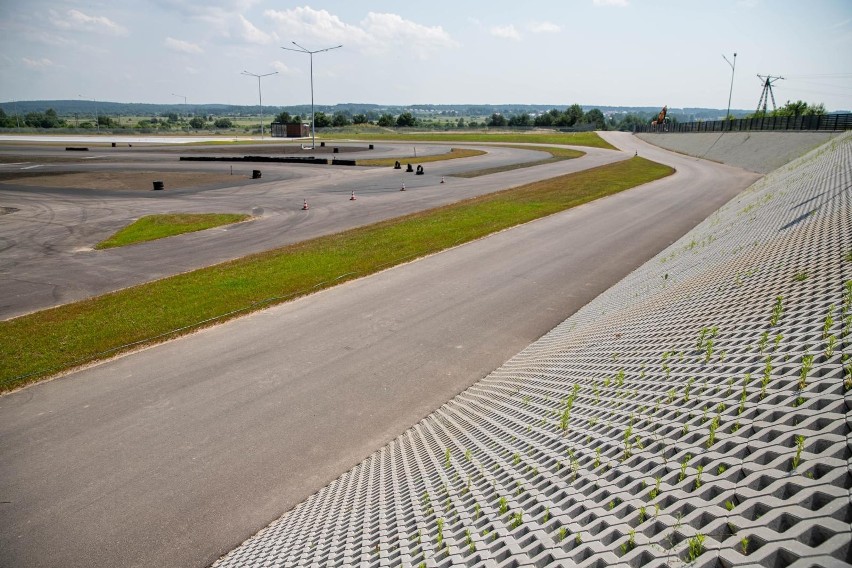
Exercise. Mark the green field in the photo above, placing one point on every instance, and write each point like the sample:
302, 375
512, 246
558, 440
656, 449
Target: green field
569, 138
152, 227
52, 340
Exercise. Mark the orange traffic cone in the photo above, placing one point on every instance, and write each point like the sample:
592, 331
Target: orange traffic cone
403, 187
305, 206
353, 197
442, 179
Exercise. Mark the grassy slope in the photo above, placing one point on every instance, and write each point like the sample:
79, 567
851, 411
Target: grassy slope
51, 340
152, 227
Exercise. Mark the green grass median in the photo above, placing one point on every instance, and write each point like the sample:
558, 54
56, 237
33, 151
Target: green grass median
49, 341
153, 227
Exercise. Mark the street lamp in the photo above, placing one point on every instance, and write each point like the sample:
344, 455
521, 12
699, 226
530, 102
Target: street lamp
733, 68
184, 101
97, 122
259, 95
311, 53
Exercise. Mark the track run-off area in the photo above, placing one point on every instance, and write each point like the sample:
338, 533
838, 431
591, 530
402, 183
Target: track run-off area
173, 455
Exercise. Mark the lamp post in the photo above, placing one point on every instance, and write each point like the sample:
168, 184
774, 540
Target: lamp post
184, 101
733, 68
311, 54
259, 95
97, 122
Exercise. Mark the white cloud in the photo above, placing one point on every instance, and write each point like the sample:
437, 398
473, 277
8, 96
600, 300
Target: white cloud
506, 32
318, 25
76, 20
377, 32
391, 28
182, 46
251, 34
543, 28
610, 2
37, 63
192, 70
283, 69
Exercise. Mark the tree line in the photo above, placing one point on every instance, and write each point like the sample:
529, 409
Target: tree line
798, 108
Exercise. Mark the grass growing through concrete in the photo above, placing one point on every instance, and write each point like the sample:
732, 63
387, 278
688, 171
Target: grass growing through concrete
570, 138
152, 227
45, 342
452, 155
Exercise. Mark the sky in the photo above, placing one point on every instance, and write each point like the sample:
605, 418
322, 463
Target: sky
558, 52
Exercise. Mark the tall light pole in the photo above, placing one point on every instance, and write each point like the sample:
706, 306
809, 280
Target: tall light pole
733, 68
97, 122
184, 101
259, 95
311, 54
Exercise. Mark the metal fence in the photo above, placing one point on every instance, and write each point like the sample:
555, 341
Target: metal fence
815, 122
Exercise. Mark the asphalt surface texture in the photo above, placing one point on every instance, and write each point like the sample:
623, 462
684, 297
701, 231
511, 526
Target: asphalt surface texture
173, 455
46, 245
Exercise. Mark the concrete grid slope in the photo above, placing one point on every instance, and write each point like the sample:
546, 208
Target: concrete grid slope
756, 151
696, 413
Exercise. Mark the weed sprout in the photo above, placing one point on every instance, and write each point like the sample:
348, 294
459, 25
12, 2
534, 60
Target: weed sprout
696, 547
504, 505
829, 321
777, 311
683, 465
517, 520
800, 445
631, 542
700, 470
807, 364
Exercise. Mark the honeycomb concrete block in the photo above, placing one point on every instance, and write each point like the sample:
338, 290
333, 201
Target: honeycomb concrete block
697, 413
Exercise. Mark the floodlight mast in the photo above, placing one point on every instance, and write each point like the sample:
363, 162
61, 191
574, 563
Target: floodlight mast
311, 54
259, 95
733, 69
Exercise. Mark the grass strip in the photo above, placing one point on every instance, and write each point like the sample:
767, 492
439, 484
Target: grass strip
453, 154
570, 138
48, 341
152, 227
556, 155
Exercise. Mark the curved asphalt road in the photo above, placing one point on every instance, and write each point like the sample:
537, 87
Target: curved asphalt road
46, 255
173, 455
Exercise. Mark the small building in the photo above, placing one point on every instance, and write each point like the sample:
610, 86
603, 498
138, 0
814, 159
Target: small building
291, 130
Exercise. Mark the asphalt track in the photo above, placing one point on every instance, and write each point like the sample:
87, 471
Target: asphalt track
173, 455
46, 255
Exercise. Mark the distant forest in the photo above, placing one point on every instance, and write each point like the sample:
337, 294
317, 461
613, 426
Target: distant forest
80, 114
